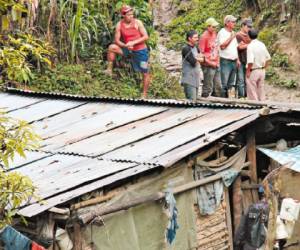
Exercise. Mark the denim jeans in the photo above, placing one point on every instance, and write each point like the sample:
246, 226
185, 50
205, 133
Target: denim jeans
211, 82
241, 80
191, 92
228, 75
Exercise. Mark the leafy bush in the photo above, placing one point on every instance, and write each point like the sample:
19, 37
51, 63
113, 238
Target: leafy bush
81, 25
194, 16
88, 79
21, 52
280, 60
268, 36
274, 78
15, 137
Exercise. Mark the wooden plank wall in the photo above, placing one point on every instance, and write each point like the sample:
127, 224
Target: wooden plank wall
212, 232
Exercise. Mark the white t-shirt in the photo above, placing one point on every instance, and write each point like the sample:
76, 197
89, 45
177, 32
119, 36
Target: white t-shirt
230, 52
257, 54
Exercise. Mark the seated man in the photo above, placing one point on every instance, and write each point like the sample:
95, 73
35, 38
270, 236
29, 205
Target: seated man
130, 37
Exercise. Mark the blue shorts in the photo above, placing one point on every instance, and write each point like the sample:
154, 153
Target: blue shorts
139, 59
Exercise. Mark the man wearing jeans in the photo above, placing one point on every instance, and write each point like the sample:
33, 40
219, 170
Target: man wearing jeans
191, 70
211, 67
130, 38
257, 61
229, 61
243, 40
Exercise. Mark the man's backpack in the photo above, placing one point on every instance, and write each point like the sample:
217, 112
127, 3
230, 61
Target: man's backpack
256, 224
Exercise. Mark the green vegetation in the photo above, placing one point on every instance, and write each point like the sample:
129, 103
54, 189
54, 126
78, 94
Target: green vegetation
276, 73
88, 79
20, 53
194, 14
73, 36
269, 36
15, 137
274, 78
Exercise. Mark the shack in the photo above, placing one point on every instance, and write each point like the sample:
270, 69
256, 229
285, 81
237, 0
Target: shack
143, 174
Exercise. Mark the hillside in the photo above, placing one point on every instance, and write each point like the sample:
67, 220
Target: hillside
278, 22
61, 47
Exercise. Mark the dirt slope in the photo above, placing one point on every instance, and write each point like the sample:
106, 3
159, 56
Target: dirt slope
165, 10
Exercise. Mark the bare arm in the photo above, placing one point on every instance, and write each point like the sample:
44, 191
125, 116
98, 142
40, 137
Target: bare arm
144, 34
248, 71
242, 46
118, 36
267, 63
228, 41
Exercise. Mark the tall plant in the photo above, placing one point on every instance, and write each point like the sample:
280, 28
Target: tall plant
19, 51
15, 137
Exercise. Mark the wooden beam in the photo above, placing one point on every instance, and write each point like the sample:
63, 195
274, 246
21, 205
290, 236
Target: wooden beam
245, 173
250, 186
251, 154
203, 155
62, 211
93, 201
237, 202
87, 217
77, 242
213, 99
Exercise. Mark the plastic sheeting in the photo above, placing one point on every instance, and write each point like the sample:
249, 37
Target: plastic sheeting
144, 227
210, 195
290, 158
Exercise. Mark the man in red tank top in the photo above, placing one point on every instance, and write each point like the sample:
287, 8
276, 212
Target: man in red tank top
130, 37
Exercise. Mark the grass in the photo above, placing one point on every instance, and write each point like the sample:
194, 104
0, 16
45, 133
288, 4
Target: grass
88, 79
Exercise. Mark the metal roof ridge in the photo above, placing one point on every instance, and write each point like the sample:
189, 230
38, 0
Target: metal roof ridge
160, 102
84, 156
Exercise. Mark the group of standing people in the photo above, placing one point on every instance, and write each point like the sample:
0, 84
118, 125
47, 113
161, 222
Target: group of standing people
224, 64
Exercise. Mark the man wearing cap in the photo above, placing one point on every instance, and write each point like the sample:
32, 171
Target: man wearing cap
210, 67
257, 61
229, 60
243, 40
130, 37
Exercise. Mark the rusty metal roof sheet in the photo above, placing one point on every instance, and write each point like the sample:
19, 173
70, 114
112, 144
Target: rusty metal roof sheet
89, 143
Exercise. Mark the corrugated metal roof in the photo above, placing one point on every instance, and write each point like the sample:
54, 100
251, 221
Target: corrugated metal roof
92, 142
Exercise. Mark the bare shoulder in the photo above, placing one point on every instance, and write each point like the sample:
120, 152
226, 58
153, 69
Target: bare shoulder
118, 25
139, 23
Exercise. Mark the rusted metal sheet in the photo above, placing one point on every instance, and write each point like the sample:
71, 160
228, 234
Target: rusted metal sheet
119, 116
58, 173
116, 138
156, 145
178, 153
130, 139
51, 126
10, 102
43, 109
37, 208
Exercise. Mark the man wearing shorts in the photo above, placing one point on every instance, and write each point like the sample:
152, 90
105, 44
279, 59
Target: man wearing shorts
130, 37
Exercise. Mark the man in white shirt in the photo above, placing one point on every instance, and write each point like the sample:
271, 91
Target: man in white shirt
257, 61
229, 60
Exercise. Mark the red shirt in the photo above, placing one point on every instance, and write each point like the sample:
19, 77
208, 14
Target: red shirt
131, 33
208, 46
242, 37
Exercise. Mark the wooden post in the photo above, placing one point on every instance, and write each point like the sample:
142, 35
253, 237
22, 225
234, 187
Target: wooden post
237, 202
77, 237
228, 218
251, 154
